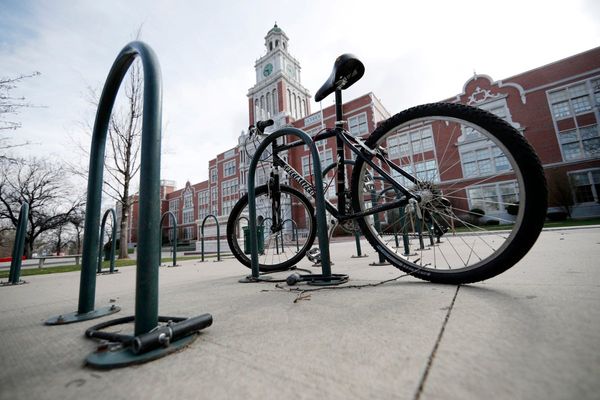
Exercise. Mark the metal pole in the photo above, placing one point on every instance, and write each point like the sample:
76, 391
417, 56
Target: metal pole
15, 264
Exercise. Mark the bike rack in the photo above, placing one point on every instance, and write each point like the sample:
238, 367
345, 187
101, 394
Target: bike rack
150, 339
262, 223
174, 220
326, 278
358, 250
295, 233
113, 241
14, 275
377, 224
218, 237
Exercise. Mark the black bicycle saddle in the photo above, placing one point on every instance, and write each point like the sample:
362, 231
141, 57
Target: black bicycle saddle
347, 70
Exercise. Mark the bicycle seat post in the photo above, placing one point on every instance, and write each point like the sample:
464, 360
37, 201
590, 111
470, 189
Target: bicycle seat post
339, 114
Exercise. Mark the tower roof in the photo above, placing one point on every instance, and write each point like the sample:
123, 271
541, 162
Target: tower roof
275, 29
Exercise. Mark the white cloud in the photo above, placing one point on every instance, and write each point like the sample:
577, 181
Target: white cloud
414, 52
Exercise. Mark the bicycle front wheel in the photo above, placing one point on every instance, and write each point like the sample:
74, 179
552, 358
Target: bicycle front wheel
479, 191
280, 247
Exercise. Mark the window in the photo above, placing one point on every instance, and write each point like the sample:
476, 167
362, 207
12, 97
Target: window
174, 208
484, 161
357, 125
426, 171
229, 187
214, 194
229, 168
572, 100
493, 198
188, 216
413, 142
213, 175
187, 232
306, 171
203, 204
187, 200
586, 185
580, 142
228, 206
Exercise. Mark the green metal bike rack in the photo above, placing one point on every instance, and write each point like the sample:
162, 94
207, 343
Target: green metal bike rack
262, 223
218, 236
148, 335
113, 244
14, 275
326, 278
358, 249
377, 224
174, 220
294, 232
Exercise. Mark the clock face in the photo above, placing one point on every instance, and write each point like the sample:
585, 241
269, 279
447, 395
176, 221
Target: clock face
290, 70
268, 69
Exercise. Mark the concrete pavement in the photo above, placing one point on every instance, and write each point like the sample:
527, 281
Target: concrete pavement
532, 332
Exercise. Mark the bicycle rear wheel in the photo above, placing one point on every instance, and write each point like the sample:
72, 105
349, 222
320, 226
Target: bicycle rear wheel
280, 247
480, 188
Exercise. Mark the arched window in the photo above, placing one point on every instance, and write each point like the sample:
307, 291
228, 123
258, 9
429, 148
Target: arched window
289, 107
262, 107
268, 106
304, 110
277, 43
295, 110
275, 103
256, 110
270, 46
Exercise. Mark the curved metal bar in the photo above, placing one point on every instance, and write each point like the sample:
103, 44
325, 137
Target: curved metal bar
319, 199
113, 244
218, 236
15, 264
294, 229
146, 297
174, 220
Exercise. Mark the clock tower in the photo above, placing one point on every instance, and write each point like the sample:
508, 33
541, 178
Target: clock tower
278, 93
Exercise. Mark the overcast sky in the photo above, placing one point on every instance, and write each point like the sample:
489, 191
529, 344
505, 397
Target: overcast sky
414, 52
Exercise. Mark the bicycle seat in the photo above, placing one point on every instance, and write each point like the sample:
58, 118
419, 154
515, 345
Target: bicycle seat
347, 70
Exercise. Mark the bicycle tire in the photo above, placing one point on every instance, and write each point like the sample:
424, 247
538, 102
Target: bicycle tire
453, 206
271, 260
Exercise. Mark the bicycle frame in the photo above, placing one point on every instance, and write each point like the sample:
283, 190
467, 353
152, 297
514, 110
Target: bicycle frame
343, 138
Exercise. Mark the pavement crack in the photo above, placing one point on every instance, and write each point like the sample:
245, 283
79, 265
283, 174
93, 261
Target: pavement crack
435, 348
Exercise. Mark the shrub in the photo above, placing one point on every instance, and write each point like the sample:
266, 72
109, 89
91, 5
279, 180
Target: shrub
512, 209
478, 212
557, 216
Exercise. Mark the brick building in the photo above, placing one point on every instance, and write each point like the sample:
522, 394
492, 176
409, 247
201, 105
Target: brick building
556, 107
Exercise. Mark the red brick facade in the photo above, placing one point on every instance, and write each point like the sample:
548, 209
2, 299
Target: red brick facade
556, 107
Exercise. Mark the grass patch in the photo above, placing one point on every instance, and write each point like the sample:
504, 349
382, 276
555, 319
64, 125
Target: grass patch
105, 266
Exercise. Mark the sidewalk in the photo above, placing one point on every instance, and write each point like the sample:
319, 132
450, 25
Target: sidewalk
530, 333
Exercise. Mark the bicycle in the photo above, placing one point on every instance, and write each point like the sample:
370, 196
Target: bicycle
442, 218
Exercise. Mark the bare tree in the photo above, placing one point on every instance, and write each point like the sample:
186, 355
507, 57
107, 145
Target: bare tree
10, 105
122, 161
78, 221
41, 184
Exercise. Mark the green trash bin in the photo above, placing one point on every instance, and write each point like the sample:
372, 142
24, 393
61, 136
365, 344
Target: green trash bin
260, 239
